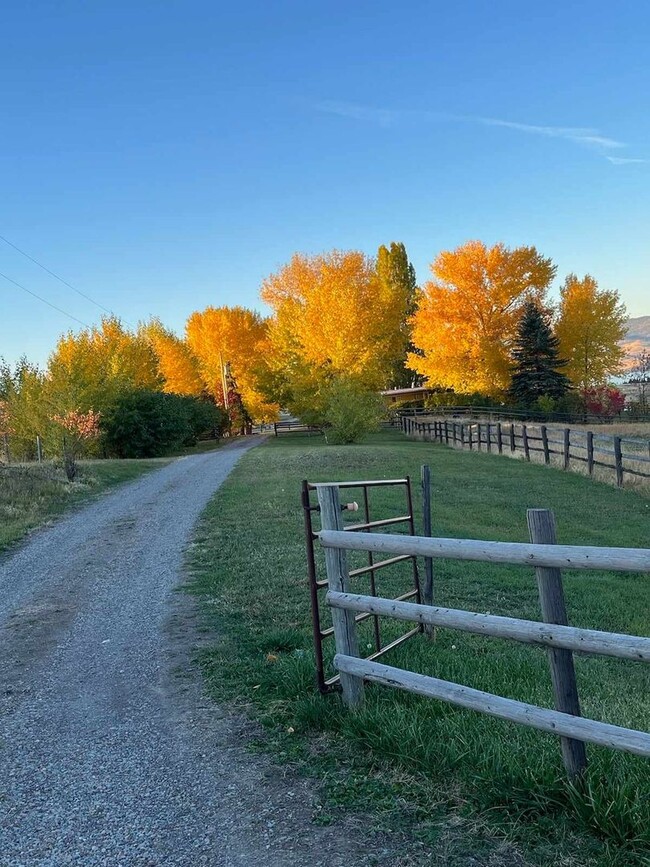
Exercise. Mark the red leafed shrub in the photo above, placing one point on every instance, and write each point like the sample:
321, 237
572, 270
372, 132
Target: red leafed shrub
80, 427
83, 425
604, 400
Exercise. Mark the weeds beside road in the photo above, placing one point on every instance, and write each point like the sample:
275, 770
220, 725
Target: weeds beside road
465, 784
31, 495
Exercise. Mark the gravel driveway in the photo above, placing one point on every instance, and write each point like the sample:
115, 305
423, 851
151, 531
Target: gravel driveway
109, 754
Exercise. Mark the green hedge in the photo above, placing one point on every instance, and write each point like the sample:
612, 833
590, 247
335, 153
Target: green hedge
148, 424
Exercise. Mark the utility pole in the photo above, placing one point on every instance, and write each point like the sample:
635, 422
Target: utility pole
224, 380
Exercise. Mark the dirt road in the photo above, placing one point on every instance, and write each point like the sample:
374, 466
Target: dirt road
109, 754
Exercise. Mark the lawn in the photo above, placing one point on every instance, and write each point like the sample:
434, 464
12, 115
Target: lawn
462, 784
31, 495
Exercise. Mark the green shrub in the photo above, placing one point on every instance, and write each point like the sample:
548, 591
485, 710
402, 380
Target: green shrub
146, 424
352, 411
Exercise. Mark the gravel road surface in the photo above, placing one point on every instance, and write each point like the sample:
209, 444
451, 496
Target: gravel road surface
109, 753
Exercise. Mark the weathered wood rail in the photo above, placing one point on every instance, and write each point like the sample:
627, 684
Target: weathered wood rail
554, 633
622, 455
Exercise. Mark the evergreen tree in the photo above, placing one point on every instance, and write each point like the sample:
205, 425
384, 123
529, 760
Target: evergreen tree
395, 270
536, 358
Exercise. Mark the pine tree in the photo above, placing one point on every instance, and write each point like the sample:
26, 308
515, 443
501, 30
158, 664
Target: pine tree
536, 358
395, 271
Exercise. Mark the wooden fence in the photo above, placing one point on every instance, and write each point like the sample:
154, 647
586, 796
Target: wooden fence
492, 413
622, 455
546, 558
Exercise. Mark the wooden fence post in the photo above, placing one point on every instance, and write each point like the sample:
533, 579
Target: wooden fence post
5, 448
618, 459
345, 625
524, 435
428, 561
479, 435
567, 447
499, 438
446, 432
541, 525
39, 450
547, 456
590, 452
470, 436
513, 444
462, 434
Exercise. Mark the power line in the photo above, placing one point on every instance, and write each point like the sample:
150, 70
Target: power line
44, 300
56, 276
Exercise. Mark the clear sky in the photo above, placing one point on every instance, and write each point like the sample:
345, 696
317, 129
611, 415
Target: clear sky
163, 156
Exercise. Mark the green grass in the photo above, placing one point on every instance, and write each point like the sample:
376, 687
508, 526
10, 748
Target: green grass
31, 495
462, 783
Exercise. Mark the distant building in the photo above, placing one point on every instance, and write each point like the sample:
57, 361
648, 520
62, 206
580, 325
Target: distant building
414, 395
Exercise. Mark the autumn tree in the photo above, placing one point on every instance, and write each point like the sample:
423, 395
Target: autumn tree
536, 361
236, 338
332, 316
177, 364
591, 323
90, 369
469, 312
397, 275
23, 406
79, 429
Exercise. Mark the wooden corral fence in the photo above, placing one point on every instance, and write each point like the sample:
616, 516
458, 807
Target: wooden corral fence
542, 554
622, 455
295, 426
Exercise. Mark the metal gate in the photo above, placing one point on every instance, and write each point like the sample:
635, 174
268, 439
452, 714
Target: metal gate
318, 586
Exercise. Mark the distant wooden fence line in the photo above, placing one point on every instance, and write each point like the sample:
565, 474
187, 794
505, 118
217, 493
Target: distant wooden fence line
554, 632
492, 413
568, 444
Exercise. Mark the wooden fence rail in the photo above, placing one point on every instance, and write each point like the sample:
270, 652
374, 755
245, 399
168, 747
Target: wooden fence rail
554, 633
568, 444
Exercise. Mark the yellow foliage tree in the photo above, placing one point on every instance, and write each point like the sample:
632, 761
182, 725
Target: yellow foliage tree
88, 369
236, 337
332, 316
591, 323
177, 365
468, 314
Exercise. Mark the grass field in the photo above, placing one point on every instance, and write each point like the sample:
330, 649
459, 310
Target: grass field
462, 784
31, 495
619, 429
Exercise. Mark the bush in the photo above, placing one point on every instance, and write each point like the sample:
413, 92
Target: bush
352, 411
148, 424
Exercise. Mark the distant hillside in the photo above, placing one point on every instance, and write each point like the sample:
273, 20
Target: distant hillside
637, 338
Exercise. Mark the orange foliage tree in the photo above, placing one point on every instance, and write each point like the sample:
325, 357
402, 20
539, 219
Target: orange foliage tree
177, 364
237, 338
332, 317
469, 312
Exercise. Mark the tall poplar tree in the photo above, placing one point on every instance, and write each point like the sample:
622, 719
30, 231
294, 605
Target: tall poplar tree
397, 274
536, 360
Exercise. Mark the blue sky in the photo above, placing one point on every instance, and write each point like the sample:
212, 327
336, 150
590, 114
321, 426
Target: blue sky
163, 156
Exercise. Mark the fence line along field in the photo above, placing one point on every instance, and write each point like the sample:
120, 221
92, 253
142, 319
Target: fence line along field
609, 456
